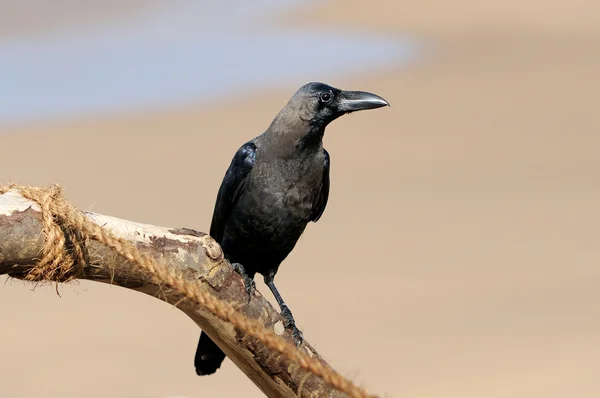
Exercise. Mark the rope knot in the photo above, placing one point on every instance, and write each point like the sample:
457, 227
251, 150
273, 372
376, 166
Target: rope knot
64, 254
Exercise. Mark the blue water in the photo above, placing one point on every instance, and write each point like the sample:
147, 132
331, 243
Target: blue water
190, 51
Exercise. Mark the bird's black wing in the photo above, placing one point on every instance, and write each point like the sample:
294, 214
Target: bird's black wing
321, 202
231, 187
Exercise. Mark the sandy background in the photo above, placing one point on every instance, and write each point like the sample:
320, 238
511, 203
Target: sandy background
458, 256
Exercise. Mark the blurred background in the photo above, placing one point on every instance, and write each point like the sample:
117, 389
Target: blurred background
458, 256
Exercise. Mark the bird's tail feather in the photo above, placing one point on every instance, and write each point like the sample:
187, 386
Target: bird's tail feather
208, 356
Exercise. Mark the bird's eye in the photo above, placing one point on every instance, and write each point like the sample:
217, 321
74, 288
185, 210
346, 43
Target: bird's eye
325, 97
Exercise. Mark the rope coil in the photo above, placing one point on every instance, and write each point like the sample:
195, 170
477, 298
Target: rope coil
64, 257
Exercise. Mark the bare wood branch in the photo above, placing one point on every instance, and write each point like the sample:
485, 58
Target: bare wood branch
191, 253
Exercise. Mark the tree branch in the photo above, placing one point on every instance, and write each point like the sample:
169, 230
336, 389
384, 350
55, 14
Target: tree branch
192, 254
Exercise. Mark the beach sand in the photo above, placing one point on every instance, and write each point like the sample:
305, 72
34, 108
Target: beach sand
458, 256
61, 16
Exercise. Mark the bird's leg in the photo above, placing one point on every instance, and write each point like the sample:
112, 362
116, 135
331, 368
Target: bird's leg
249, 284
286, 314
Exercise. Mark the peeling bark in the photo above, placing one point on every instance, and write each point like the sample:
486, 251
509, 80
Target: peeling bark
190, 253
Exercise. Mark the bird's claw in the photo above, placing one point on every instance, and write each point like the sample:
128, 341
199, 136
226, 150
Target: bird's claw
249, 284
290, 324
297, 335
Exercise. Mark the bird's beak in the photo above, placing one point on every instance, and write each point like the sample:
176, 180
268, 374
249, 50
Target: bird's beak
350, 101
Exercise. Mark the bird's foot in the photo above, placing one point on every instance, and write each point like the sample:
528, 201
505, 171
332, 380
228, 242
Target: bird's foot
290, 324
249, 283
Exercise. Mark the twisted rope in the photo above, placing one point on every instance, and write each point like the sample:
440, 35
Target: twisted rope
63, 257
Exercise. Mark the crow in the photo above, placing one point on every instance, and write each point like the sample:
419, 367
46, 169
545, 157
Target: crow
275, 185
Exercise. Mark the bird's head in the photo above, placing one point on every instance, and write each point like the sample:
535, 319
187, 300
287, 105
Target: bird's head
315, 105
319, 104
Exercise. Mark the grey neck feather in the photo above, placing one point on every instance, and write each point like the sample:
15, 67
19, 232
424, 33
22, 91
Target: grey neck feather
289, 135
